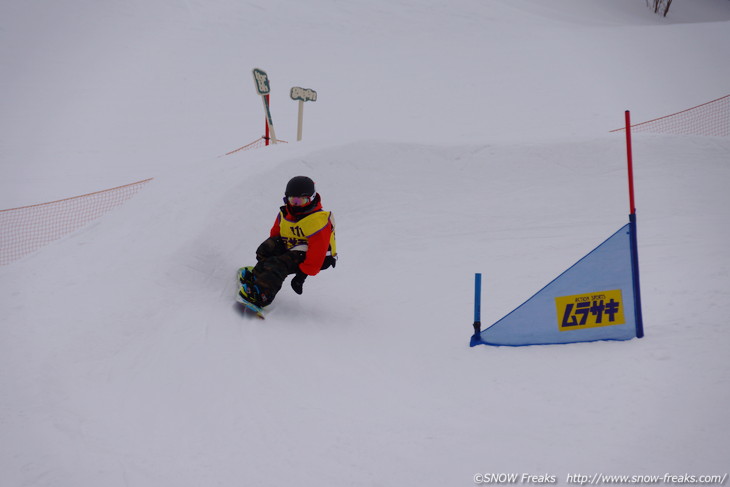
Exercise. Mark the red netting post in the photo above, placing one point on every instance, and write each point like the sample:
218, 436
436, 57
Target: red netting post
266, 122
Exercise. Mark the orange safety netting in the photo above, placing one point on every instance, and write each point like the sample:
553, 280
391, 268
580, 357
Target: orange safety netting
26, 229
711, 119
260, 142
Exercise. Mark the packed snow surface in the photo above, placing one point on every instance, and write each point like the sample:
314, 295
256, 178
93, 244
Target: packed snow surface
448, 138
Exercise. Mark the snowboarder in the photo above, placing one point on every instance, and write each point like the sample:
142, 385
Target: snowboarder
301, 242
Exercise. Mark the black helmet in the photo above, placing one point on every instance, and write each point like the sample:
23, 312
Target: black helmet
300, 186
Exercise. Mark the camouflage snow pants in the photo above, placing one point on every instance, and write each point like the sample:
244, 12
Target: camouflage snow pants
275, 263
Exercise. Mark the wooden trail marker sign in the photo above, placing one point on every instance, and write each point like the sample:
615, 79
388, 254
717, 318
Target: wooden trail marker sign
302, 95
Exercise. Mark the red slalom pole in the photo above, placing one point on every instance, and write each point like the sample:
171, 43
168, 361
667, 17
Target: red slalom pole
267, 137
629, 157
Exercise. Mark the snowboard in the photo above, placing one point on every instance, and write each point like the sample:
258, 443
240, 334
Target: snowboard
239, 298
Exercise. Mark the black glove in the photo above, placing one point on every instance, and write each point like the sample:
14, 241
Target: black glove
297, 282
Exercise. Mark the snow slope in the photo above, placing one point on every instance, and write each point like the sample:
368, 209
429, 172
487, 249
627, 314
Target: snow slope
447, 141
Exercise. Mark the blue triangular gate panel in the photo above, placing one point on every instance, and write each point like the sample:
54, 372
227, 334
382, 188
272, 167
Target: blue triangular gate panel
592, 300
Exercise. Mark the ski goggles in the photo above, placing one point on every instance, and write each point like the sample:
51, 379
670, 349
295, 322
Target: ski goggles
299, 200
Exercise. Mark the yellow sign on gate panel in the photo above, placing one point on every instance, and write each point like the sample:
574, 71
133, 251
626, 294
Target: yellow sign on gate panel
591, 310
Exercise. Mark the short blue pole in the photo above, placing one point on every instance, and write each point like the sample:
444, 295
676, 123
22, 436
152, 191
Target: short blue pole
477, 303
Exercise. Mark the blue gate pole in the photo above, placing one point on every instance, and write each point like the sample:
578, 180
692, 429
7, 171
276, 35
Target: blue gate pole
477, 303
638, 317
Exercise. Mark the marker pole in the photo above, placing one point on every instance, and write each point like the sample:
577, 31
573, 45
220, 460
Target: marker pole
633, 242
267, 137
300, 120
477, 303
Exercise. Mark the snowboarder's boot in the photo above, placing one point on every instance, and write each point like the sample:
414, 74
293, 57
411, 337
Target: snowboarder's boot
245, 275
254, 295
